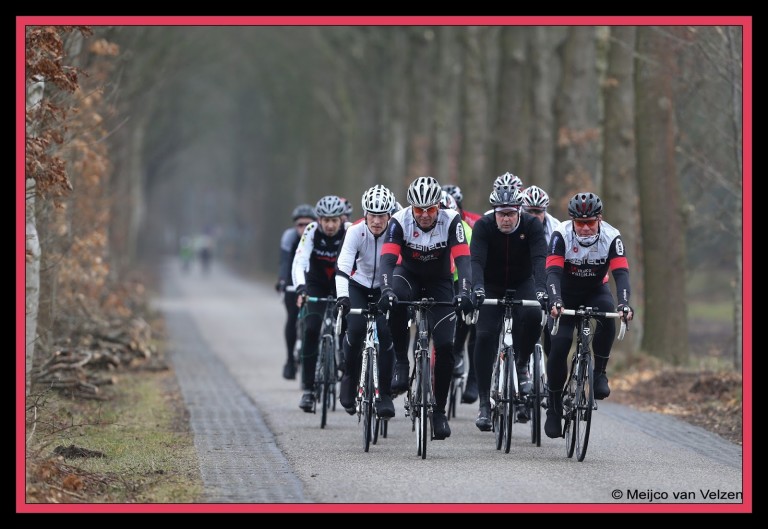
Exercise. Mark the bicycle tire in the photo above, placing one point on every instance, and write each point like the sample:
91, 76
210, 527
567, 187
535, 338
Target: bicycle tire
384, 429
537, 394
452, 398
424, 412
326, 349
498, 413
584, 410
569, 414
416, 407
509, 408
376, 427
367, 407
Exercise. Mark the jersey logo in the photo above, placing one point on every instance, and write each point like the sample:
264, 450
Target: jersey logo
460, 232
619, 247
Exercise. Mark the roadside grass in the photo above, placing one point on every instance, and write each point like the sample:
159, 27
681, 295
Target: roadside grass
142, 431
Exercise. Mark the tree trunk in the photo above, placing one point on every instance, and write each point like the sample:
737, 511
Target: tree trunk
663, 223
619, 190
512, 118
578, 133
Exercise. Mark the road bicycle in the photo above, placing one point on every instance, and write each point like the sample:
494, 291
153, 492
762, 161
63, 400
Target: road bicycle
368, 385
578, 394
325, 368
505, 390
419, 398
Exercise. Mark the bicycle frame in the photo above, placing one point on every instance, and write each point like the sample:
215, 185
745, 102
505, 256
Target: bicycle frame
368, 383
325, 366
419, 400
578, 397
505, 389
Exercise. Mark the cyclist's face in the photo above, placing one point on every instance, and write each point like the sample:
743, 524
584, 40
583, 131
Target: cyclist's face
301, 224
539, 213
330, 225
506, 220
586, 227
377, 223
425, 217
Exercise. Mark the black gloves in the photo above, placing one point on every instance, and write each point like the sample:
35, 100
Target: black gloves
388, 300
543, 300
342, 306
626, 311
463, 304
479, 297
280, 285
301, 290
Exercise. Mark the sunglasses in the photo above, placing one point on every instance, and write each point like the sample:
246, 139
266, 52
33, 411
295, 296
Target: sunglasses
302, 224
430, 210
534, 211
589, 223
506, 214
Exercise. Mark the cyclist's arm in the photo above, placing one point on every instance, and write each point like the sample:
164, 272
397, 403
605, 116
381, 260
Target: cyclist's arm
479, 253
345, 264
303, 253
555, 262
619, 267
537, 243
457, 243
287, 242
390, 252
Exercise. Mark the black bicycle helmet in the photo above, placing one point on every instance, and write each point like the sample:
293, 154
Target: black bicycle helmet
584, 206
303, 211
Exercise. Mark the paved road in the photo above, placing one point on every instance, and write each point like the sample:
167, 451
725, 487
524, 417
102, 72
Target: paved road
257, 447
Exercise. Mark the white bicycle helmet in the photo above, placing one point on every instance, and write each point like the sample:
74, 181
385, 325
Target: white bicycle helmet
329, 206
535, 197
506, 197
448, 202
508, 179
378, 200
423, 192
454, 191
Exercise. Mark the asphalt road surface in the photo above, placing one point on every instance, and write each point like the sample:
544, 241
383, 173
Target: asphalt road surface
257, 448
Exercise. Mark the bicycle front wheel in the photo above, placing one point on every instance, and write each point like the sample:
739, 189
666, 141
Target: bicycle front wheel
569, 410
586, 401
326, 379
537, 393
426, 384
367, 408
508, 408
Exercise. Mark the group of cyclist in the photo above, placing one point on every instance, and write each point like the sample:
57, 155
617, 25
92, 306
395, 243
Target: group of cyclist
434, 248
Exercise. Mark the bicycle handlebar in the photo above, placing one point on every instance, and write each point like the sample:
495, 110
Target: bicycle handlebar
589, 312
521, 302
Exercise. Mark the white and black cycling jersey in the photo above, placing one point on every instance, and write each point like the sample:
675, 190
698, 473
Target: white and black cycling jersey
359, 258
316, 255
574, 267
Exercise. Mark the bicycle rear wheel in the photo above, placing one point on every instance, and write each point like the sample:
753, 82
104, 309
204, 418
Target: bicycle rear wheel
537, 393
509, 404
453, 397
586, 401
326, 365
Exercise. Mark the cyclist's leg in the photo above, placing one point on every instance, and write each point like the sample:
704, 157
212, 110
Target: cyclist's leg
292, 313
605, 332
487, 331
352, 344
404, 286
312, 323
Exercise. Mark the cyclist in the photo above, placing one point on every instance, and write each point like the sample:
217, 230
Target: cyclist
581, 253
464, 333
470, 217
426, 237
535, 202
356, 279
302, 215
508, 252
313, 271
